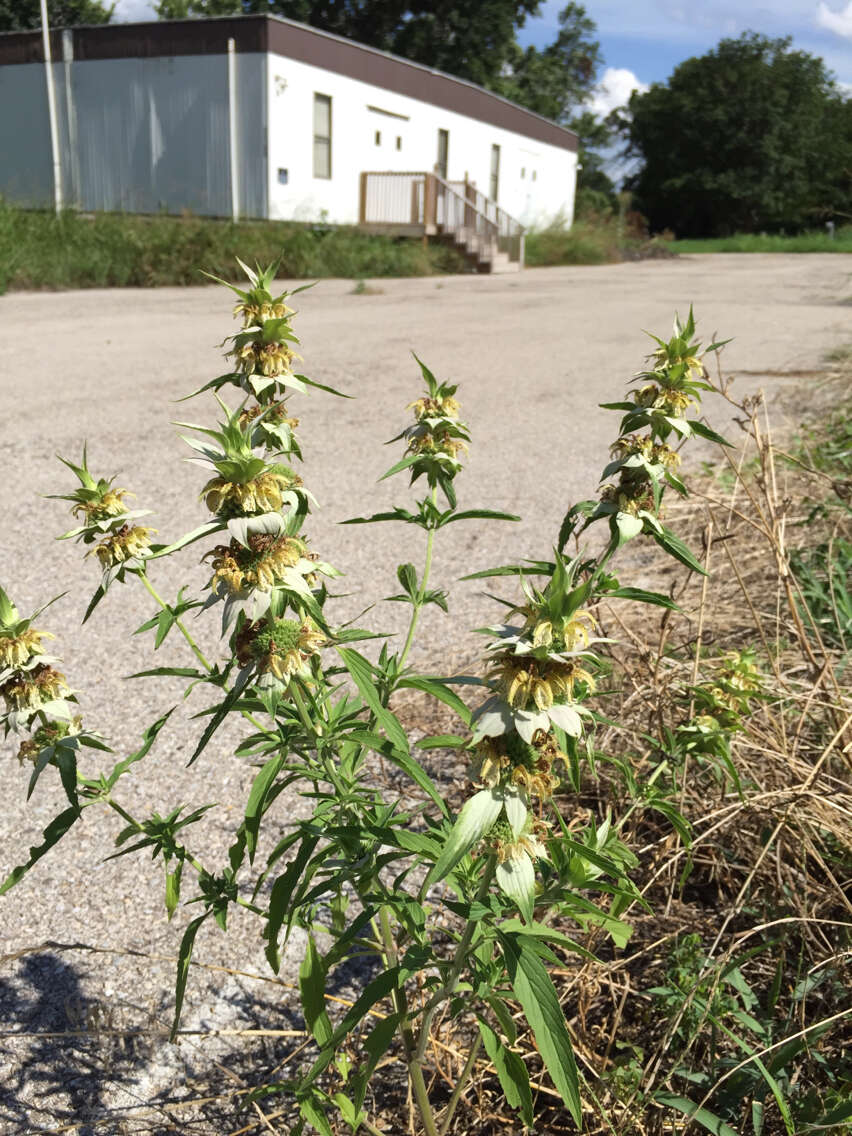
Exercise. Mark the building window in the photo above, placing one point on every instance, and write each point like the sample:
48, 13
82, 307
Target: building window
442, 163
378, 137
322, 136
495, 172
399, 141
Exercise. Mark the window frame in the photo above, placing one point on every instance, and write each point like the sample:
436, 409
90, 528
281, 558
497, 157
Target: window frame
320, 100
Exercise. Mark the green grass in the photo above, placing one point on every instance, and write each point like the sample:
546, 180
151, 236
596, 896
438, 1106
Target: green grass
816, 241
40, 250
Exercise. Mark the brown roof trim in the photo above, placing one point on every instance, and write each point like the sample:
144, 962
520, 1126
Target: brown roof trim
298, 42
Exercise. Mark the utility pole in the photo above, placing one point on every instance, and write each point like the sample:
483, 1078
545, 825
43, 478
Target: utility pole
51, 110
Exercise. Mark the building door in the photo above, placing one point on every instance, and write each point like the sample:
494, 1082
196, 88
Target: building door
441, 165
495, 172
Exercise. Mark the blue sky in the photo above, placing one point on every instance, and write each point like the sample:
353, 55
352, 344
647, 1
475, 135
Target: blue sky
646, 39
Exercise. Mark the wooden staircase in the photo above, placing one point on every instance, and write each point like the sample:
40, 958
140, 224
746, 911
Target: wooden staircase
425, 205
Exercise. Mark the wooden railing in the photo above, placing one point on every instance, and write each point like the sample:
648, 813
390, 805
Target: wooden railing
425, 203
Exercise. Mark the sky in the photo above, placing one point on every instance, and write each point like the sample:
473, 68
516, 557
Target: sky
644, 40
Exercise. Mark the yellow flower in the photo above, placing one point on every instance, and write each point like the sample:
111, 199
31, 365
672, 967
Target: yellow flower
17, 649
258, 566
435, 408
125, 544
256, 313
263, 494
524, 680
111, 504
31, 689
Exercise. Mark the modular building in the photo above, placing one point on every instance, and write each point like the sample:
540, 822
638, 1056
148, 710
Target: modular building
261, 117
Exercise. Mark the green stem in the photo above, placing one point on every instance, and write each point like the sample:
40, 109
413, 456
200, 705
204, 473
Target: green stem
415, 1072
196, 650
459, 960
464, 1077
417, 606
199, 654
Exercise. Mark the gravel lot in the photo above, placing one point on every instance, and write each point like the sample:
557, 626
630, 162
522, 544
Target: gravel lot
533, 353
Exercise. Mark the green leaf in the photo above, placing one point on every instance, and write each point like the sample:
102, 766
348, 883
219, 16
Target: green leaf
52, 834
701, 1116
436, 688
705, 432
184, 959
675, 547
221, 712
538, 998
407, 576
377, 1043
375, 991
312, 989
641, 596
477, 514
473, 822
402, 760
173, 890
528, 568
405, 463
512, 1072
148, 739
257, 796
362, 674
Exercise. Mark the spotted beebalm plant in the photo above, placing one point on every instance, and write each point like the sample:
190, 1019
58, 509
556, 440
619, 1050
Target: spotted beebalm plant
381, 875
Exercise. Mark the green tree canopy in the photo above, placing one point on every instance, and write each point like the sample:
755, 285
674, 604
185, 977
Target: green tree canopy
750, 136
473, 40
25, 15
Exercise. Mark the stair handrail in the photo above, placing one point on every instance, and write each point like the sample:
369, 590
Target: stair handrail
514, 230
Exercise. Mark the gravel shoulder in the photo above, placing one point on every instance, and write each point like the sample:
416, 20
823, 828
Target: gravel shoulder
533, 354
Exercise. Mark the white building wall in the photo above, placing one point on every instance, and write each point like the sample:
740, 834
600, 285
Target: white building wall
536, 182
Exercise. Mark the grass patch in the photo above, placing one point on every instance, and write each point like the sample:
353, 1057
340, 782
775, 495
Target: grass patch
107, 250
594, 238
817, 240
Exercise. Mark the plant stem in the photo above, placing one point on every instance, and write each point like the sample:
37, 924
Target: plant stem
464, 1077
415, 1073
459, 960
417, 606
196, 650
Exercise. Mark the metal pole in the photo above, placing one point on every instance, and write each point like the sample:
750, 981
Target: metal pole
51, 110
232, 128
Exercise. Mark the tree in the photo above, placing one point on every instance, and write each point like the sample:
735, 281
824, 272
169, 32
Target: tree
474, 41
750, 136
25, 15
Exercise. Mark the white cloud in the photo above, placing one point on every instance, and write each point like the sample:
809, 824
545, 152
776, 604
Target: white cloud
838, 22
133, 11
614, 90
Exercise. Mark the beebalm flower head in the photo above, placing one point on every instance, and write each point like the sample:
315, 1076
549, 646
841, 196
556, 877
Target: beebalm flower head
129, 543
524, 681
28, 690
440, 407
280, 648
509, 760
260, 565
46, 735
264, 493
269, 359
246, 483
19, 646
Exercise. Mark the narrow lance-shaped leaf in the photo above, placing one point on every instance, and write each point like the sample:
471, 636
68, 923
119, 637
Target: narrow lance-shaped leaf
535, 991
473, 822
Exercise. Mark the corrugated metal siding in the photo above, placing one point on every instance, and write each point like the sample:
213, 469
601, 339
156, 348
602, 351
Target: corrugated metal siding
26, 167
137, 135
